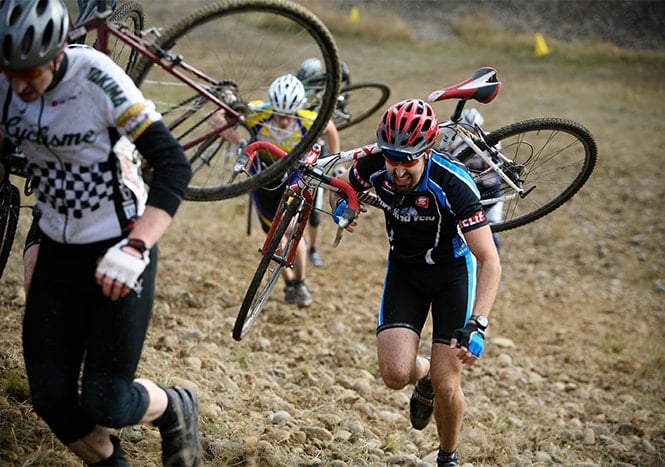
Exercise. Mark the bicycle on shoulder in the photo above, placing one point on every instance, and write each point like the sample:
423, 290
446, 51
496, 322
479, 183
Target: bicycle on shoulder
223, 56
541, 164
219, 57
531, 167
261, 39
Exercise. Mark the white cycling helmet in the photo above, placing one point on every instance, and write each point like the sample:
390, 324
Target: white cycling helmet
33, 32
287, 94
309, 68
473, 117
312, 69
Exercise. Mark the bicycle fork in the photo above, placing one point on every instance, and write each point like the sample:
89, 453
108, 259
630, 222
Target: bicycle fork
288, 251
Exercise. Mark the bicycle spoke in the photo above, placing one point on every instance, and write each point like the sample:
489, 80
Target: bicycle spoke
550, 158
358, 102
555, 157
258, 41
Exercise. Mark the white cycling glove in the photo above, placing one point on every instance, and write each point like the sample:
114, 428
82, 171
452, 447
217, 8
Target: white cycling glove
121, 266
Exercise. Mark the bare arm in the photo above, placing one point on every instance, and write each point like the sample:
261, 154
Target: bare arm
331, 136
218, 120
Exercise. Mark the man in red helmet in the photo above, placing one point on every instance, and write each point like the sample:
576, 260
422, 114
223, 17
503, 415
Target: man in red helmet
442, 257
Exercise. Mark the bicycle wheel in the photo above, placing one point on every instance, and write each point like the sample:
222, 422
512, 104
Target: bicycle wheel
554, 158
244, 45
9, 210
268, 272
359, 101
129, 15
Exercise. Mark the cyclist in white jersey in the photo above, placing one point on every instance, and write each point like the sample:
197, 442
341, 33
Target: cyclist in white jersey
77, 117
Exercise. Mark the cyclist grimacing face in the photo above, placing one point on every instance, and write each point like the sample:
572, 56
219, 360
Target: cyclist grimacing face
406, 174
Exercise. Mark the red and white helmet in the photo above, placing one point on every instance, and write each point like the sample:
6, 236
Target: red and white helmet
408, 127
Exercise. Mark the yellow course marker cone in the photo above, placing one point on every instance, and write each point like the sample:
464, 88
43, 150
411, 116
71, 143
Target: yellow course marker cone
540, 46
354, 14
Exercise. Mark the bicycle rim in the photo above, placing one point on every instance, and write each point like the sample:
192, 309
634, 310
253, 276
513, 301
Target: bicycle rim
244, 44
557, 157
9, 211
267, 274
359, 101
129, 15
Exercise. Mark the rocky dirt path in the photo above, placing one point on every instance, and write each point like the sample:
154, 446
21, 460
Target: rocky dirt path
572, 375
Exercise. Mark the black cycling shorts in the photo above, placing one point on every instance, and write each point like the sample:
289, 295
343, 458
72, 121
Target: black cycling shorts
81, 349
411, 290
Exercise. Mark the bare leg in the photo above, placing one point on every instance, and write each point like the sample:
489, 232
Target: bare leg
313, 237
300, 266
158, 400
399, 364
449, 403
29, 260
96, 446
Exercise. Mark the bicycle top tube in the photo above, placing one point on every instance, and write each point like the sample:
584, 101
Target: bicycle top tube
350, 155
328, 161
309, 167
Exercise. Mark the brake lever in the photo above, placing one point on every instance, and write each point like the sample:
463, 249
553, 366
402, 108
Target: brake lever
338, 237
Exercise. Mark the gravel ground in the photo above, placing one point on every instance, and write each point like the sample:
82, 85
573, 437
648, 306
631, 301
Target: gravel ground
573, 371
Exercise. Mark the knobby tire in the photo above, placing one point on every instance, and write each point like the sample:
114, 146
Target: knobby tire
130, 14
234, 41
259, 290
558, 157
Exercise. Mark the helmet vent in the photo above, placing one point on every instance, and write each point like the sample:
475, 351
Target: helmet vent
41, 7
16, 15
26, 43
7, 46
47, 36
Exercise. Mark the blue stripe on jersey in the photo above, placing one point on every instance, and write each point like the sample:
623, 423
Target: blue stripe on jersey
472, 275
457, 170
379, 320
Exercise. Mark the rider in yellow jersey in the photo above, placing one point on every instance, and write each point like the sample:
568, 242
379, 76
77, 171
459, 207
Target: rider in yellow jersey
282, 121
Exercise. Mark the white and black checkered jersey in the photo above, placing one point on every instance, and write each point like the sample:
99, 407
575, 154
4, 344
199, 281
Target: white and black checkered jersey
86, 191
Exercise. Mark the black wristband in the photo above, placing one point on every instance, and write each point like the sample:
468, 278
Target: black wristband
137, 244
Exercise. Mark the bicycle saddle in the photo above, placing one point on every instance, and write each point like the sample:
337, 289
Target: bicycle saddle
482, 86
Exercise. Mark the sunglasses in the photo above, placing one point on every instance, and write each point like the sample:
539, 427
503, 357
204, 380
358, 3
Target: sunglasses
25, 75
401, 158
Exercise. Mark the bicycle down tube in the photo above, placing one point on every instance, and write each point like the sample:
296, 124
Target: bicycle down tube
166, 61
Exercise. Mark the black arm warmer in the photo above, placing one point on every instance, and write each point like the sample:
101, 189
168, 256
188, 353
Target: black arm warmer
171, 170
